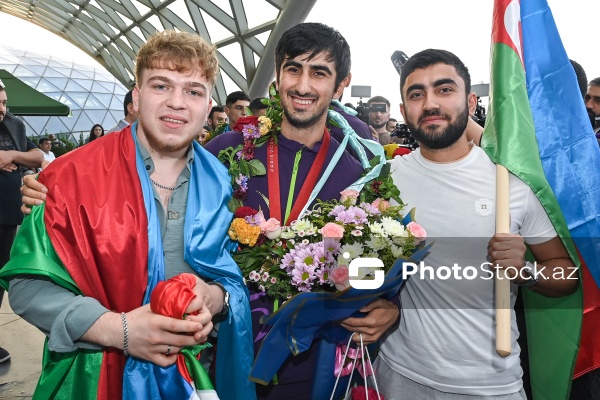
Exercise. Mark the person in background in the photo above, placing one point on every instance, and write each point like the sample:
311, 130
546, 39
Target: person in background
216, 118
16, 152
235, 107
257, 107
131, 114
45, 145
96, 132
390, 126
378, 118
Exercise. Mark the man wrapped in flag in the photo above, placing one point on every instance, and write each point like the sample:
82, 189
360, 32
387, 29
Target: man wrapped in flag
135, 208
445, 343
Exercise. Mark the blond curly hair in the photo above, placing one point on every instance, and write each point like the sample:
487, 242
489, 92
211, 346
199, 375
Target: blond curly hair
177, 51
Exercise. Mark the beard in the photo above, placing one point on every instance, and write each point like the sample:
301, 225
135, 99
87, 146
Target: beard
302, 120
446, 138
159, 145
378, 126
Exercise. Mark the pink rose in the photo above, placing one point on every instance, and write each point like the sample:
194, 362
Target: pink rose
271, 228
349, 194
381, 204
333, 231
417, 231
340, 277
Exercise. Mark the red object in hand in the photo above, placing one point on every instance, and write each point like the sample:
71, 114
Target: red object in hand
360, 393
172, 298
249, 120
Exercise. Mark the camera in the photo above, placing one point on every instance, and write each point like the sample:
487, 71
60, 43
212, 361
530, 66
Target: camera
480, 114
406, 138
364, 109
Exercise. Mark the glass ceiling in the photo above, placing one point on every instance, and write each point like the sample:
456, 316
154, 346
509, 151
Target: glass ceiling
112, 31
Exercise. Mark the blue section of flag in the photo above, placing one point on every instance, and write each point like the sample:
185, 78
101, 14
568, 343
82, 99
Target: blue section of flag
568, 147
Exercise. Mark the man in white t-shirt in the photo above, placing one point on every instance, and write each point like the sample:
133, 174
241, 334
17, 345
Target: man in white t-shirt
444, 346
45, 146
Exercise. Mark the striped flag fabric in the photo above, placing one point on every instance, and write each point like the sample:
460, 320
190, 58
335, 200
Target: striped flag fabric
537, 127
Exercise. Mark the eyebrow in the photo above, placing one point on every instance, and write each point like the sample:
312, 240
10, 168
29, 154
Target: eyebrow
439, 82
314, 67
170, 81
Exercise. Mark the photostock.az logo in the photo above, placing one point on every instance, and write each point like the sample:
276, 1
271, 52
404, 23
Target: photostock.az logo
374, 264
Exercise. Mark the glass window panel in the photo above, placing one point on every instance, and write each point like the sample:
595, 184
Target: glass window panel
73, 86
37, 124
59, 82
51, 73
117, 117
88, 72
70, 121
65, 99
55, 125
31, 81
98, 116
217, 31
85, 83
103, 98
98, 88
93, 104
37, 69
77, 74
9, 67
54, 95
233, 54
116, 103
79, 98
59, 63
21, 71
45, 86
110, 86
120, 90
65, 71
137, 30
31, 61
83, 124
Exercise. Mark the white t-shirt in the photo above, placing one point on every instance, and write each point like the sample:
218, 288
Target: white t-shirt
49, 157
446, 337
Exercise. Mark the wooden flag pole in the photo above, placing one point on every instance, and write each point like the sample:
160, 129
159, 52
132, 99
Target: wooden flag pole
502, 284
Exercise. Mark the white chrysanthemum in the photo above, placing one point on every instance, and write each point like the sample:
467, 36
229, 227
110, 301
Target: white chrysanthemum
392, 227
377, 243
399, 240
377, 229
303, 225
287, 233
396, 250
353, 250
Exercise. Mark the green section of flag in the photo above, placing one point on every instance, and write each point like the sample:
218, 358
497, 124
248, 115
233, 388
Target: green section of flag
553, 325
73, 375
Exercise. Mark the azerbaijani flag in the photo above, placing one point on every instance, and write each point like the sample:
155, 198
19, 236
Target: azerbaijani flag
537, 127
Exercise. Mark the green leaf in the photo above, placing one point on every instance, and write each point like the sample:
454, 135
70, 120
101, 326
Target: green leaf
256, 167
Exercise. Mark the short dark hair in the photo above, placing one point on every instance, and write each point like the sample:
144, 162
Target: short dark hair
379, 99
214, 110
595, 82
315, 38
429, 57
257, 104
234, 97
43, 140
392, 119
127, 101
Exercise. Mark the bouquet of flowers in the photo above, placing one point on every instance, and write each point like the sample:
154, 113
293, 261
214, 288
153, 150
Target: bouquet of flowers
314, 252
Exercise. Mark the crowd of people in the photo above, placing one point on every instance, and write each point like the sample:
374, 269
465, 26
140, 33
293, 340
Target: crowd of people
82, 268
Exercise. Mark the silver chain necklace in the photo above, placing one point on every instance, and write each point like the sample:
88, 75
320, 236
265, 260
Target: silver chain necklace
158, 185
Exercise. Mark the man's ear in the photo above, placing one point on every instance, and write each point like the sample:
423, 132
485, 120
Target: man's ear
343, 85
136, 98
402, 111
472, 102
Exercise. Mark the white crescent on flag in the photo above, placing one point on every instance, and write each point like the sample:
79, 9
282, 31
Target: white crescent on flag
512, 22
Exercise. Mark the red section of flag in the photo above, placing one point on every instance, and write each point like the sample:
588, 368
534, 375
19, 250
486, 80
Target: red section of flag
588, 357
507, 11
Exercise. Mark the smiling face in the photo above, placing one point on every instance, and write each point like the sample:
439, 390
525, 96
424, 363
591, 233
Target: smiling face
172, 106
306, 87
436, 106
